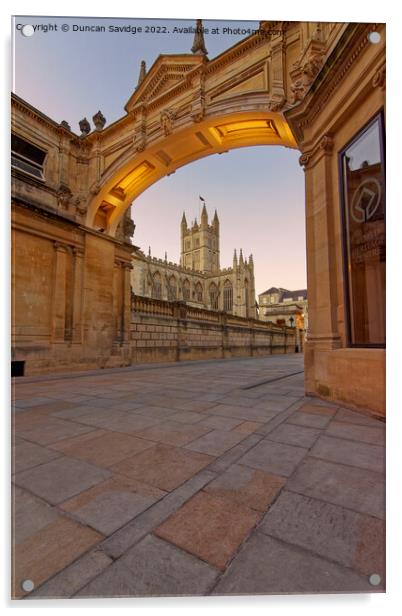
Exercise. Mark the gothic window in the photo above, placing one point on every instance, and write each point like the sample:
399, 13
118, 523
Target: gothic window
188, 245
228, 296
198, 292
157, 286
213, 296
186, 290
246, 296
363, 184
172, 289
27, 157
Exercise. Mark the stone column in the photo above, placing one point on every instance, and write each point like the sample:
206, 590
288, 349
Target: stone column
78, 291
117, 302
323, 332
59, 293
126, 303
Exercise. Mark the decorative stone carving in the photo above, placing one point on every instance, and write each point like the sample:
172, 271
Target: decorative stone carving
199, 43
85, 127
326, 143
64, 196
128, 228
306, 69
99, 120
140, 136
304, 159
167, 118
276, 104
143, 72
379, 78
65, 124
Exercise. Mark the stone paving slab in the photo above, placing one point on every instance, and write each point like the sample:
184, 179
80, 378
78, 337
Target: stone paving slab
275, 458
110, 510
209, 527
173, 433
47, 430
318, 409
348, 486
30, 514
106, 449
294, 435
221, 423
341, 535
268, 566
154, 568
146, 522
371, 457
60, 479
247, 486
309, 420
163, 466
363, 434
242, 412
49, 550
26, 455
216, 442
69, 581
358, 418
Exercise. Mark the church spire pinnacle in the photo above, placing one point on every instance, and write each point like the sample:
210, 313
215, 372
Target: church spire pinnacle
241, 260
199, 43
143, 72
235, 259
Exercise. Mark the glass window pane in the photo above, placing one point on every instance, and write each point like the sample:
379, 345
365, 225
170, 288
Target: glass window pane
364, 201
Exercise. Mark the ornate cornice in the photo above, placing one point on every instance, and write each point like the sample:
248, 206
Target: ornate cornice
338, 64
325, 146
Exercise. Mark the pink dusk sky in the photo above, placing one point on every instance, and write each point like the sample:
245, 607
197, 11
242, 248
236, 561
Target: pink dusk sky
258, 192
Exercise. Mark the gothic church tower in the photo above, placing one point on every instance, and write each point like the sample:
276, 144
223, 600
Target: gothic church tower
200, 244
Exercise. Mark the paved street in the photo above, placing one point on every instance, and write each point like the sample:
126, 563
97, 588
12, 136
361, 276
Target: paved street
201, 478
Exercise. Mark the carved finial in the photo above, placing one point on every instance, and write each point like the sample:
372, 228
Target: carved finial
143, 72
166, 256
65, 124
99, 120
241, 261
235, 258
85, 127
149, 251
199, 43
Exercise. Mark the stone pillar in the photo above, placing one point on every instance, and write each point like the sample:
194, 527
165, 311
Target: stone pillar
126, 301
78, 291
117, 302
321, 264
59, 293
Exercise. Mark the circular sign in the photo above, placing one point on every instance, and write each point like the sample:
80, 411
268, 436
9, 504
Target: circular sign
365, 200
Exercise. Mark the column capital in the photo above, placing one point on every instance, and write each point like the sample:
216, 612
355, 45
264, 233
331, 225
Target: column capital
60, 246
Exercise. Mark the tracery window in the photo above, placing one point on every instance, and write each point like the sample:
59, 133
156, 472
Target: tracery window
228, 296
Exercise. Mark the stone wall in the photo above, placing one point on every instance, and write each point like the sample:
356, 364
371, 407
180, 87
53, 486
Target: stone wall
172, 331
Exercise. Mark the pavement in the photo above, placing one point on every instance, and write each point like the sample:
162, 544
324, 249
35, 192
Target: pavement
201, 478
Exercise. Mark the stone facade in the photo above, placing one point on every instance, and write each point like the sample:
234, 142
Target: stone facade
284, 307
173, 331
198, 279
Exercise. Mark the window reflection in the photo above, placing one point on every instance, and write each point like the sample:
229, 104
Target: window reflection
364, 217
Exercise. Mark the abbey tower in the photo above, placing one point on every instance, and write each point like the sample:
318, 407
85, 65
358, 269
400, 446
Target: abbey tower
200, 244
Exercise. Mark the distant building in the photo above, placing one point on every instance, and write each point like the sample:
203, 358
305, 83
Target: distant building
284, 307
198, 279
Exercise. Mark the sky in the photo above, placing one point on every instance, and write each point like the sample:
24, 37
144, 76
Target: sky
258, 192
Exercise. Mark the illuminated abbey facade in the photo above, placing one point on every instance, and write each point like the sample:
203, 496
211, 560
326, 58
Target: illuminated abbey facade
198, 280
